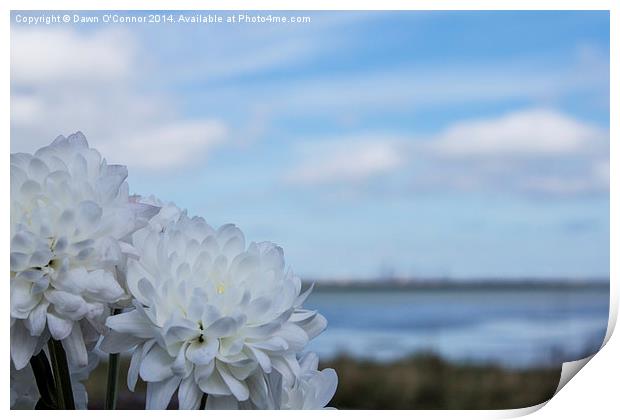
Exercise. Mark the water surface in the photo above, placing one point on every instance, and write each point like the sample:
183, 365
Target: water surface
518, 326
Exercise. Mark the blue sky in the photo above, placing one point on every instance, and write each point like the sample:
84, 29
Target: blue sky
460, 144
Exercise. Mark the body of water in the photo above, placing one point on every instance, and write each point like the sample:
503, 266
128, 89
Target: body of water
515, 327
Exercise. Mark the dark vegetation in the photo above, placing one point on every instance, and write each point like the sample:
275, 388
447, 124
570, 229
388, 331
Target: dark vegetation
419, 382
426, 382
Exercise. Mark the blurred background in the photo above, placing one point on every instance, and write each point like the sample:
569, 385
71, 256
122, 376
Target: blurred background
443, 177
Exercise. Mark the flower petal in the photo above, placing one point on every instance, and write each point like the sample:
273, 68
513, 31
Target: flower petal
313, 326
295, 336
60, 328
238, 388
262, 359
75, 348
189, 394
37, 319
156, 365
132, 322
213, 384
223, 327
22, 345
134, 369
115, 342
67, 305
326, 389
158, 394
202, 353
22, 300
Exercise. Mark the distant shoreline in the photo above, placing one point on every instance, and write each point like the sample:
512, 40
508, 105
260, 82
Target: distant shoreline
460, 285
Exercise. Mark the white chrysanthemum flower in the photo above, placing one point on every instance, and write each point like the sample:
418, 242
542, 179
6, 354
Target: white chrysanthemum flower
160, 214
311, 389
25, 394
79, 375
209, 313
70, 211
167, 212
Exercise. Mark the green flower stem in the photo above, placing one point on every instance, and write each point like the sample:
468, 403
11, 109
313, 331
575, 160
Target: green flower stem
45, 381
62, 378
203, 402
113, 373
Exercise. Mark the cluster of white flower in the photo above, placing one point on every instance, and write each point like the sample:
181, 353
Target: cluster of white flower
203, 313
25, 394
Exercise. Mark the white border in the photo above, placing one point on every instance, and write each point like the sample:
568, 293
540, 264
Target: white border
594, 393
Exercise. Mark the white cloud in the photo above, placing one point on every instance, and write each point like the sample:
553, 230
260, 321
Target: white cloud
535, 151
65, 80
175, 144
538, 151
41, 56
530, 133
346, 160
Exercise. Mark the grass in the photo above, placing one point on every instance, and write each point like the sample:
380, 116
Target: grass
426, 382
419, 382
